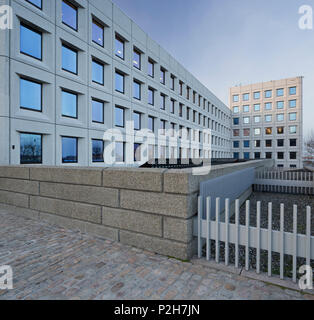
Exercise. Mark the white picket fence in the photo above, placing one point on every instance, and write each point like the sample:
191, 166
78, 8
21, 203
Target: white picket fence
294, 244
284, 182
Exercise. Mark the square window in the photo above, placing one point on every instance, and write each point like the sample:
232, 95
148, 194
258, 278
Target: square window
293, 129
257, 119
236, 110
257, 107
98, 150
280, 143
257, 131
269, 155
293, 142
119, 47
69, 104
30, 148
69, 150
30, 42
69, 59
257, 155
246, 155
257, 95
236, 98
97, 111
236, 121
119, 82
293, 155
292, 116
246, 144
97, 72
268, 143
98, 33
280, 117
268, 131
292, 103
69, 15
236, 132
280, 105
257, 143
268, 106
246, 108
280, 155
280, 130
293, 90
268, 118
236, 144
136, 90
119, 117
246, 120
137, 59
280, 92
120, 151
137, 120
246, 96
268, 93
30, 95
236, 155
246, 132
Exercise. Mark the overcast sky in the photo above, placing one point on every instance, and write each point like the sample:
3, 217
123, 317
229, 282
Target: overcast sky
228, 42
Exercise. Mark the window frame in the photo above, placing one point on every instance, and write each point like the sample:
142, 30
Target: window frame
140, 89
103, 111
121, 40
41, 145
136, 51
24, 25
77, 154
123, 77
76, 15
41, 95
73, 50
103, 72
123, 109
102, 27
103, 148
76, 110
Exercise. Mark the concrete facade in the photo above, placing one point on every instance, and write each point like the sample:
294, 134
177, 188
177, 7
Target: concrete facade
195, 107
274, 117
154, 211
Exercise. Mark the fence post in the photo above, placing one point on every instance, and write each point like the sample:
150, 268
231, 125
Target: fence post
247, 219
308, 235
208, 242
295, 243
200, 213
237, 209
269, 238
217, 229
258, 239
227, 232
282, 234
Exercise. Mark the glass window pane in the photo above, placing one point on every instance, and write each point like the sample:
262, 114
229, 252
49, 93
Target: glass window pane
292, 103
69, 104
69, 150
98, 150
119, 151
30, 42
137, 90
136, 59
98, 33
119, 117
119, 49
235, 98
137, 152
151, 123
280, 92
137, 121
293, 90
30, 148
280, 105
69, 59
36, 3
151, 68
151, 97
69, 15
30, 95
97, 111
119, 79
97, 72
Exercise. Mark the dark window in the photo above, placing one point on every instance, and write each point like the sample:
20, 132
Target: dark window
137, 152
280, 142
137, 59
151, 123
268, 143
235, 121
69, 59
293, 155
119, 117
172, 105
69, 15
257, 155
280, 130
30, 42
120, 151
151, 96
98, 33
97, 111
293, 142
30, 95
162, 76
119, 79
180, 110
36, 3
97, 72
136, 90
137, 120
236, 155
162, 102
172, 82
69, 150
236, 144
69, 104
98, 150
280, 155
246, 155
151, 68
257, 143
119, 49
269, 155
30, 148
246, 144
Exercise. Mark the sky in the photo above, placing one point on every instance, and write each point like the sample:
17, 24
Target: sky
224, 43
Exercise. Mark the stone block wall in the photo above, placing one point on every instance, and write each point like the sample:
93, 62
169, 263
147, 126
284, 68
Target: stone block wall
152, 209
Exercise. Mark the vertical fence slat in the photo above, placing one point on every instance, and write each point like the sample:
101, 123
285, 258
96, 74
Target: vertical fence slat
217, 229
269, 238
247, 224
258, 237
227, 232
208, 242
308, 235
237, 210
199, 240
282, 240
295, 243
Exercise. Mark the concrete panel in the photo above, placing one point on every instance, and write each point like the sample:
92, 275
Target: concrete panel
17, 172
22, 186
14, 199
178, 229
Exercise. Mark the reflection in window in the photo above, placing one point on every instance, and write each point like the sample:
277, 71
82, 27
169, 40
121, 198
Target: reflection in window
119, 80
268, 93
30, 95
69, 59
137, 121
151, 68
97, 111
136, 90
137, 59
69, 150
97, 72
30, 148
293, 90
150, 96
30, 42
119, 117
162, 76
69, 104
151, 124
119, 49
120, 151
98, 33
280, 92
137, 152
98, 150
292, 103
69, 15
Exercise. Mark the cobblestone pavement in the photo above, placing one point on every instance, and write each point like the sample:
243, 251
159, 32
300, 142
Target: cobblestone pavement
53, 263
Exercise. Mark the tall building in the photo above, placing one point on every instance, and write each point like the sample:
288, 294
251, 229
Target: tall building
267, 121
82, 78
